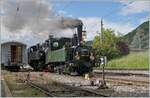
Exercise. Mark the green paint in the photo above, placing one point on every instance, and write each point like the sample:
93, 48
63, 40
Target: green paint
57, 55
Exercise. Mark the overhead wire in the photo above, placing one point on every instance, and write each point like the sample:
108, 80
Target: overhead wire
114, 11
17, 10
110, 14
38, 13
38, 16
16, 15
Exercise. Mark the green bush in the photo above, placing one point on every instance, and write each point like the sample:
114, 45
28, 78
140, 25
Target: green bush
112, 46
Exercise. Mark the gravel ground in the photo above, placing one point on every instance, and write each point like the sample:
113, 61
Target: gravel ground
116, 89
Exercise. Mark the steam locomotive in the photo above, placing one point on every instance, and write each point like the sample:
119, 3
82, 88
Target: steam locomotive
63, 55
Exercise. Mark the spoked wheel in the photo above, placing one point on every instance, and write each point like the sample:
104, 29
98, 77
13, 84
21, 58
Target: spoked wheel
50, 68
59, 69
73, 71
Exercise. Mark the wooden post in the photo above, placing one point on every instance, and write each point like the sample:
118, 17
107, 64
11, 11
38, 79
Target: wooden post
103, 58
103, 73
102, 35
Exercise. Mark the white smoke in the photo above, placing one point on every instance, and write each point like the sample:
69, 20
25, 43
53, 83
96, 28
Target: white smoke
37, 16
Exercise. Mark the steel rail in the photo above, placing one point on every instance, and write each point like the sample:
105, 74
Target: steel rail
122, 73
128, 81
41, 89
47, 92
86, 90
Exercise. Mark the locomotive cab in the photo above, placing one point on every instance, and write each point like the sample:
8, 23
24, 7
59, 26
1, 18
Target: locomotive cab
82, 59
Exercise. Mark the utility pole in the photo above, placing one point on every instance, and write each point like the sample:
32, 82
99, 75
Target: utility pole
101, 36
103, 58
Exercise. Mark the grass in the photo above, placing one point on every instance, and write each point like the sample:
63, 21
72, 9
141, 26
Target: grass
27, 91
134, 60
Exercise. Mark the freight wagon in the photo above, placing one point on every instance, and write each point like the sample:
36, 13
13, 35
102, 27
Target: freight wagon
13, 55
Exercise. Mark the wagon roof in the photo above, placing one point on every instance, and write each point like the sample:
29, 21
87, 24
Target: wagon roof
13, 42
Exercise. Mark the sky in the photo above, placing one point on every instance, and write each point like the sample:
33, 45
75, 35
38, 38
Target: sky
122, 16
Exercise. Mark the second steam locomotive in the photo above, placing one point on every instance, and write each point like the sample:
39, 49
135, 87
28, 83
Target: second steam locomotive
63, 55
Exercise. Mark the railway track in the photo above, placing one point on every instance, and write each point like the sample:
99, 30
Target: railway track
67, 91
125, 78
41, 89
62, 88
127, 81
139, 73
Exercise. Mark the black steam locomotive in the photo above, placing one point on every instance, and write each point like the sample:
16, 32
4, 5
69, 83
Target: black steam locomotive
63, 55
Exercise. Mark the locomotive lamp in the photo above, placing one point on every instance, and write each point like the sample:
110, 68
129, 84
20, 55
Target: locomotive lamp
92, 56
55, 44
77, 56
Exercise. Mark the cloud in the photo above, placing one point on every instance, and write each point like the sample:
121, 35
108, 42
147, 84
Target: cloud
24, 37
93, 25
64, 13
133, 7
146, 18
33, 20
120, 27
61, 12
29, 31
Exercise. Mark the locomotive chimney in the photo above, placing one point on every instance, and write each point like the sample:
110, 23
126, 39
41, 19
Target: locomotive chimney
50, 36
79, 29
75, 40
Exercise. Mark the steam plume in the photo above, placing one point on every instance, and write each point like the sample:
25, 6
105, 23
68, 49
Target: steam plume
35, 15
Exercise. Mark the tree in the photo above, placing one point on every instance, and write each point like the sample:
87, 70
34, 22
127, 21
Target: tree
123, 47
113, 46
108, 47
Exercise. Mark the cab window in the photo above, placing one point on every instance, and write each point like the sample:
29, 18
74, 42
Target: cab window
84, 52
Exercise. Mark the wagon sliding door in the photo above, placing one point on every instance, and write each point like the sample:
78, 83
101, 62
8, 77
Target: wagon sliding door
16, 54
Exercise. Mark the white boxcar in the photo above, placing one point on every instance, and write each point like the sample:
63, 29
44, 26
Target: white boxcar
13, 54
